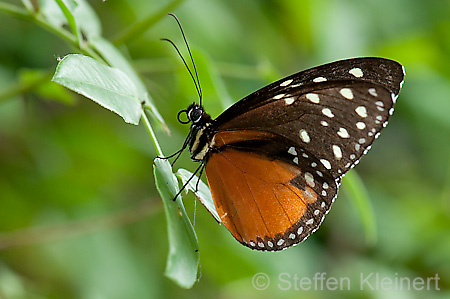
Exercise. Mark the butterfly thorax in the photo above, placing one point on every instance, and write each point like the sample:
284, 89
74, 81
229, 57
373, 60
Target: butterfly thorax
200, 137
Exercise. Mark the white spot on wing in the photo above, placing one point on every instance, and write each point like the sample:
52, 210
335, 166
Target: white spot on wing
327, 112
343, 133
279, 96
312, 97
325, 163
394, 97
286, 83
347, 93
309, 179
373, 92
320, 79
292, 151
361, 111
360, 125
357, 72
304, 136
337, 152
289, 100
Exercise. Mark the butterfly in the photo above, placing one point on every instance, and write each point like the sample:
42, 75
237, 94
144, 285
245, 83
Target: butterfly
275, 159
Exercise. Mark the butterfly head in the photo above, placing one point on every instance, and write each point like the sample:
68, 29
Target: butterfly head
195, 115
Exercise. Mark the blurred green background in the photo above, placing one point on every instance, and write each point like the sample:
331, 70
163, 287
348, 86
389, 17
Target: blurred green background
79, 213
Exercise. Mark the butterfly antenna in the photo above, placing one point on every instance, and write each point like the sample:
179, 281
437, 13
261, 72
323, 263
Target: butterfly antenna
187, 67
199, 89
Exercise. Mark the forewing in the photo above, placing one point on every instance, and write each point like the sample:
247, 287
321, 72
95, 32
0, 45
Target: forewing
385, 73
333, 112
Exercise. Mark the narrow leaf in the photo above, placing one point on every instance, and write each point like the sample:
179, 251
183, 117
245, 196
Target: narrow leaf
52, 13
87, 20
28, 5
202, 192
109, 87
360, 197
183, 260
67, 7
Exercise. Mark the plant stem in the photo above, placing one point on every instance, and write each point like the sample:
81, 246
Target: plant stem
25, 87
14, 10
359, 195
152, 134
141, 26
23, 14
40, 235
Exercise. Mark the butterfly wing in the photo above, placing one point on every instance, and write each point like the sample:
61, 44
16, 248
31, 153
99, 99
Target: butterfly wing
267, 203
319, 122
334, 111
382, 72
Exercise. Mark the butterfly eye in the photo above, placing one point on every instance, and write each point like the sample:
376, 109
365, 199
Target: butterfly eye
195, 114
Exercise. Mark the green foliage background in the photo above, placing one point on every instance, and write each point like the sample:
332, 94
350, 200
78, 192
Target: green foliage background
80, 216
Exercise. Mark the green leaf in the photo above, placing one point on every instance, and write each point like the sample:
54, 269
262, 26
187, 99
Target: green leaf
67, 7
28, 5
79, 15
183, 260
202, 192
109, 87
360, 197
87, 20
52, 13
114, 58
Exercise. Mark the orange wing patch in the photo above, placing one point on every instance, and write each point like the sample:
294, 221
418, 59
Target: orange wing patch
256, 200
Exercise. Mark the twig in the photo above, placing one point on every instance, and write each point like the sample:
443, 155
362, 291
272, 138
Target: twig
38, 235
